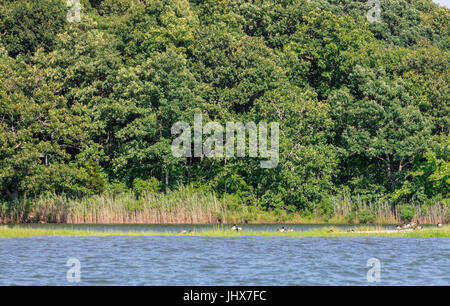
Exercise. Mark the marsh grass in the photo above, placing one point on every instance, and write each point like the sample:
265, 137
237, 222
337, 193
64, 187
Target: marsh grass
220, 231
348, 209
182, 206
188, 206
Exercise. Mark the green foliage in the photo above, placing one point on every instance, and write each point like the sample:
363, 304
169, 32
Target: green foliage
350, 217
40, 135
366, 217
406, 212
95, 179
87, 107
430, 178
383, 132
28, 25
327, 48
141, 187
116, 187
326, 209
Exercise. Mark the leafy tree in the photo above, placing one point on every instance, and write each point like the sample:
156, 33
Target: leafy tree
430, 178
327, 48
87, 107
382, 129
28, 25
39, 135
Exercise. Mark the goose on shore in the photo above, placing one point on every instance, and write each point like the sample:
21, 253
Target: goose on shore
282, 229
439, 224
418, 227
236, 228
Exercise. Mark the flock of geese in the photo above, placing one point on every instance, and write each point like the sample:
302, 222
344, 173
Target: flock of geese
239, 229
285, 230
412, 226
404, 226
236, 228
281, 230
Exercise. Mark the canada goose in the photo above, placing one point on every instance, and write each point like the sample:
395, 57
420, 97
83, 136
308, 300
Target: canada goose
404, 226
439, 224
182, 232
289, 230
233, 228
282, 229
239, 229
418, 227
399, 228
351, 230
413, 224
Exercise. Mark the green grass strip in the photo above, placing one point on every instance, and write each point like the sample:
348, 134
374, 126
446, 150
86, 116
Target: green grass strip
17, 231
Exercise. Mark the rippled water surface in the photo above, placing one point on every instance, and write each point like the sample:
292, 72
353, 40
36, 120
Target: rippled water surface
224, 261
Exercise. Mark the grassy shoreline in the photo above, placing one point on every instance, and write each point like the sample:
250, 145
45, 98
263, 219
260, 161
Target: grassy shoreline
16, 232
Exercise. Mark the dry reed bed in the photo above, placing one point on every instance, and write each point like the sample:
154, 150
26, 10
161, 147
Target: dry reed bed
178, 207
187, 206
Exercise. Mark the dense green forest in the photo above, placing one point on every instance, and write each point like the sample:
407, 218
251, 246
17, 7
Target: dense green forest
86, 108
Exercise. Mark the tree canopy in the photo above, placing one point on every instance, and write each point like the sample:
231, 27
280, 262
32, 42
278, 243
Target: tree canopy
363, 107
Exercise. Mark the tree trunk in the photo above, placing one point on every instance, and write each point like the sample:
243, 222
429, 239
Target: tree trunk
389, 172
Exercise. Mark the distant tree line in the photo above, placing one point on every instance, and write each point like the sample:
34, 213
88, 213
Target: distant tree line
87, 107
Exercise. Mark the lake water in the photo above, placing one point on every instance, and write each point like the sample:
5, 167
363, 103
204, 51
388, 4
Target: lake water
223, 261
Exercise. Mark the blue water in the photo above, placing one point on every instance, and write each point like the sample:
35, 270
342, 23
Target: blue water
224, 261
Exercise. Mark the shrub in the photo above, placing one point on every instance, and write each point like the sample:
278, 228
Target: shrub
406, 212
141, 187
116, 187
326, 209
350, 218
366, 217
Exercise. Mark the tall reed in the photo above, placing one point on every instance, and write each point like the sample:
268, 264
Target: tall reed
384, 212
188, 206
182, 206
